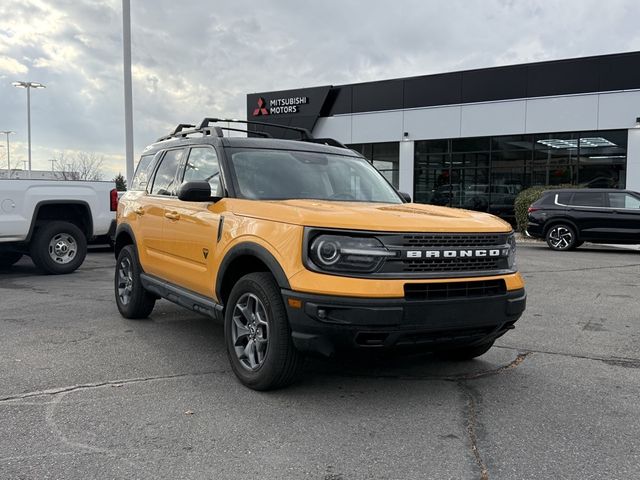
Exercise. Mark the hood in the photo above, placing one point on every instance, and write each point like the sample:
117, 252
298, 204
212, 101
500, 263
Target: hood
405, 217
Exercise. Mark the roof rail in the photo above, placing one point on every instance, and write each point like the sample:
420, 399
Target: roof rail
219, 131
304, 133
327, 141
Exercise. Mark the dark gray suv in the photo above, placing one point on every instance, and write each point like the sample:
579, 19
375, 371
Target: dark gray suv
567, 218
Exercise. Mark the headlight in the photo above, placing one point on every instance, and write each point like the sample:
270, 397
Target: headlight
341, 253
511, 258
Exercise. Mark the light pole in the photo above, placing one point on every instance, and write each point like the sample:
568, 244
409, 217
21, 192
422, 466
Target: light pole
28, 86
128, 95
7, 133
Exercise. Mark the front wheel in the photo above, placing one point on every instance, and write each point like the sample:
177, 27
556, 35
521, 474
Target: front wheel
258, 336
562, 237
58, 248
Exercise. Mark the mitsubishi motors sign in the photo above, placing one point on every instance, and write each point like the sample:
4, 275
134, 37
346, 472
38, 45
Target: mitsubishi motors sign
294, 108
279, 106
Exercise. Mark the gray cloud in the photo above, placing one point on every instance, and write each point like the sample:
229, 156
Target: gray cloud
194, 59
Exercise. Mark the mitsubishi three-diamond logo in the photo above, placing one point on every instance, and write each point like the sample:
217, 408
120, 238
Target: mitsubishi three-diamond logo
262, 109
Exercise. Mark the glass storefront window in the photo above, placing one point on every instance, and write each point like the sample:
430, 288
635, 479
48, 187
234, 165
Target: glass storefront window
486, 173
384, 156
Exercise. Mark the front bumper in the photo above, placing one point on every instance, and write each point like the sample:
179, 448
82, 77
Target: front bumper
328, 324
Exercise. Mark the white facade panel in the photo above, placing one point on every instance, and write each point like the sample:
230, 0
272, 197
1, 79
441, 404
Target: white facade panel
618, 110
633, 160
405, 168
558, 114
334, 127
376, 127
432, 123
496, 118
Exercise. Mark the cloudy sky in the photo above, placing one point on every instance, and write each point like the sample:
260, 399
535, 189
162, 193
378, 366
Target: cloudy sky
197, 58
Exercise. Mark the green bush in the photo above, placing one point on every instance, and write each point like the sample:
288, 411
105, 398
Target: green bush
526, 197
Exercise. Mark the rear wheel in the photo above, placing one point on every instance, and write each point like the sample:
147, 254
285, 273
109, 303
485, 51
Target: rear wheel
58, 248
562, 236
467, 353
258, 336
8, 259
132, 299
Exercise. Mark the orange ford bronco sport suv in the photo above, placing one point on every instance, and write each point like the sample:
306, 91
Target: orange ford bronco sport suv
304, 247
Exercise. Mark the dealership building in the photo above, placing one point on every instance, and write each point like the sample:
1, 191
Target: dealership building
475, 138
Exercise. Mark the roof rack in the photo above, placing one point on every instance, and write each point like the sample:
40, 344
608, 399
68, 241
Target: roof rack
184, 129
304, 133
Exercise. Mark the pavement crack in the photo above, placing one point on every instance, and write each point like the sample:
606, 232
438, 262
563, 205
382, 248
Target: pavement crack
471, 421
520, 357
626, 362
108, 383
583, 269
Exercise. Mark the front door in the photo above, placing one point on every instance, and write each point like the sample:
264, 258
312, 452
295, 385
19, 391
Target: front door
625, 216
190, 232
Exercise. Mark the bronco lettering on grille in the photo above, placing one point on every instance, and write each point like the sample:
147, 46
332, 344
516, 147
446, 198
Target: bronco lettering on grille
466, 253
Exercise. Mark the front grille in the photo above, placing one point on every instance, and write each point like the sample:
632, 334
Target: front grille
453, 240
434, 266
448, 290
452, 265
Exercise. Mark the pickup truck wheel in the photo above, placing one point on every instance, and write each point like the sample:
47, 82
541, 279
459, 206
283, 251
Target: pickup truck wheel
132, 299
258, 336
9, 258
58, 248
467, 353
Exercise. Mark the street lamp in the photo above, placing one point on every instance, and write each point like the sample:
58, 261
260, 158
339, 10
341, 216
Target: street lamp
28, 86
7, 133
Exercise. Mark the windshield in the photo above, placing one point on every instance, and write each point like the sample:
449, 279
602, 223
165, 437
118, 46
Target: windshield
280, 175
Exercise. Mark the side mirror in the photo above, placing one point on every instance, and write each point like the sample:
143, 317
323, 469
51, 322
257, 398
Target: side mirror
405, 196
195, 192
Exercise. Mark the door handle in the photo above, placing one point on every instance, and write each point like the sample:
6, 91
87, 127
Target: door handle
172, 215
139, 211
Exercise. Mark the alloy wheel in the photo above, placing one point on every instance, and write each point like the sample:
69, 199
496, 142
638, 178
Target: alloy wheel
560, 237
250, 331
125, 280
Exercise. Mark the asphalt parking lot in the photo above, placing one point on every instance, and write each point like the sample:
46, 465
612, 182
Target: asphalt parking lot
85, 393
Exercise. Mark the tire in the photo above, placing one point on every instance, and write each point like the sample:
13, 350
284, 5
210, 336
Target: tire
132, 299
259, 344
7, 259
58, 248
561, 237
467, 353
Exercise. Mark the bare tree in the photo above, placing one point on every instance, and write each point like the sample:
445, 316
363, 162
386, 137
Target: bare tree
78, 166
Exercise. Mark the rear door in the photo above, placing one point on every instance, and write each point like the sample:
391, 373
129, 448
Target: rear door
591, 214
191, 228
625, 209
161, 196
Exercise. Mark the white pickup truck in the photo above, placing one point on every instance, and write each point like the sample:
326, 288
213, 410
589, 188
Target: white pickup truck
52, 221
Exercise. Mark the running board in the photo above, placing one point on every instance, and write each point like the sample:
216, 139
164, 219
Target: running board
185, 298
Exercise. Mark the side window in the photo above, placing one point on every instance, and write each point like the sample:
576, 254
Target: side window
588, 199
143, 170
164, 182
623, 200
203, 165
563, 198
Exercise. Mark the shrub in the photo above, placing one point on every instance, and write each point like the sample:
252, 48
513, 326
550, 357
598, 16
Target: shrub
526, 197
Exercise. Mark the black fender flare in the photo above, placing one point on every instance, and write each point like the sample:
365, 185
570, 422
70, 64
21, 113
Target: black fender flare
120, 229
254, 250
